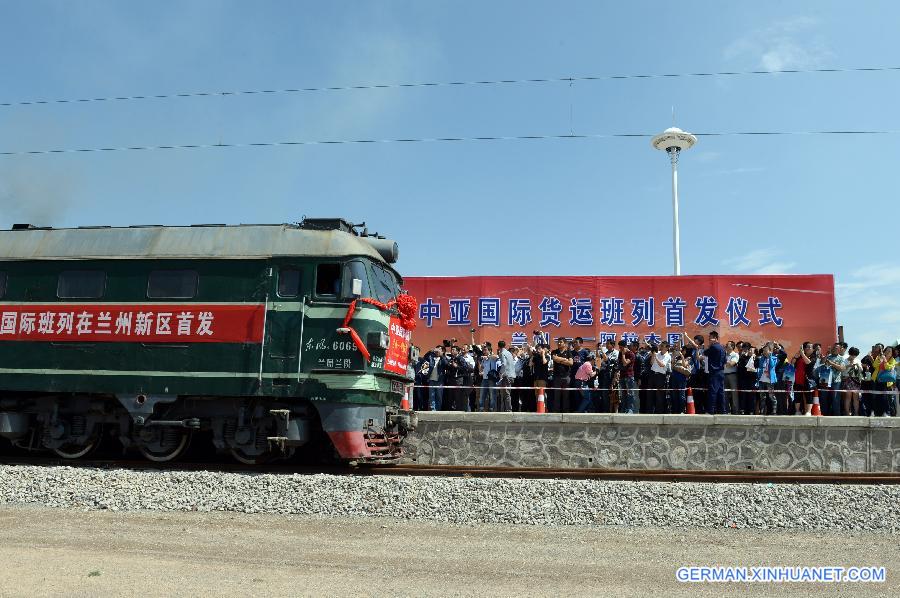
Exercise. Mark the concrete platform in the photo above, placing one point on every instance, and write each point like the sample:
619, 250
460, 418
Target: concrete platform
617, 441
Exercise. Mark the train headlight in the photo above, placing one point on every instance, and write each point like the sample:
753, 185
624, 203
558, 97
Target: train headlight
378, 340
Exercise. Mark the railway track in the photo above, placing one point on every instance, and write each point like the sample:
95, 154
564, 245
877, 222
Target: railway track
646, 475
412, 469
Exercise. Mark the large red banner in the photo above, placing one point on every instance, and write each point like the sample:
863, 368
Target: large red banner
150, 323
755, 308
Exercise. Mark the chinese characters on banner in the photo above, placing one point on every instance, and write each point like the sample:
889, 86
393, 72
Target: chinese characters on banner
397, 357
152, 323
756, 308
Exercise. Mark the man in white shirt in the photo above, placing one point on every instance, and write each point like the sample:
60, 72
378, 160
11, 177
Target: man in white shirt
660, 361
732, 398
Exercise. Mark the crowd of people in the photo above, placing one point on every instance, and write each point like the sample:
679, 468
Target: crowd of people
621, 377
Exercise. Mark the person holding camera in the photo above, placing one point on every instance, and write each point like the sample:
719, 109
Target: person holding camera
464, 369
585, 375
866, 402
699, 380
627, 386
607, 358
507, 376
420, 395
678, 378
434, 372
468, 353
562, 362
766, 377
660, 359
579, 356
490, 376
853, 376
883, 378
732, 399
804, 380
522, 397
642, 376
540, 368
453, 378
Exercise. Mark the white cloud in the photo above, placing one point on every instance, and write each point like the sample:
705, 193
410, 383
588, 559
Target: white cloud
787, 44
732, 171
759, 261
705, 157
865, 299
873, 275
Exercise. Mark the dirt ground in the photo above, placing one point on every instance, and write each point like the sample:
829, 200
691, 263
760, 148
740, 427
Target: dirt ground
51, 552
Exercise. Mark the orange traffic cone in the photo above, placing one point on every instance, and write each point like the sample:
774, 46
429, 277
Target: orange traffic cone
541, 407
404, 402
689, 408
816, 409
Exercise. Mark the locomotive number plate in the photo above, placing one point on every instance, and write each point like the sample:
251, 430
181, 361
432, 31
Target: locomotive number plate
397, 387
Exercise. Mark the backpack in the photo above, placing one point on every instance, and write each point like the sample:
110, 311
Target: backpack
493, 374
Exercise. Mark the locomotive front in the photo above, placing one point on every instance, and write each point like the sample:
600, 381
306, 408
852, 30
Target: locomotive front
356, 348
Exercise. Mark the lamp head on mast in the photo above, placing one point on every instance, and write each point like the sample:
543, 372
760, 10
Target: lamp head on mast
673, 140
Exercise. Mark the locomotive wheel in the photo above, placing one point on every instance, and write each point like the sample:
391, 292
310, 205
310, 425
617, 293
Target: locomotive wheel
159, 454
242, 457
76, 451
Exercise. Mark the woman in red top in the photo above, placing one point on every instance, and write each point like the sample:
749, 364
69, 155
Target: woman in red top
801, 360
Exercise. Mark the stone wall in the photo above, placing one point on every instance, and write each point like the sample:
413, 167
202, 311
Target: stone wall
708, 442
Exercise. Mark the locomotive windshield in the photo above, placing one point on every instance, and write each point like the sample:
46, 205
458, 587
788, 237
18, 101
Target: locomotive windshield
385, 285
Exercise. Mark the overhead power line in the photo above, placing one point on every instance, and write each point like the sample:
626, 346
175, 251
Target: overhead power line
573, 79
423, 140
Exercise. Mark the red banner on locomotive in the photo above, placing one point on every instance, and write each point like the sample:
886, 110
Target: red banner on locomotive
146, 323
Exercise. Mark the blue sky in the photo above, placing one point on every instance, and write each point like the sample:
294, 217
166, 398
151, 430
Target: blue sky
801, 204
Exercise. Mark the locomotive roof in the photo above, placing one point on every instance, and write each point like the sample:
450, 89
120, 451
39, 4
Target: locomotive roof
245, 241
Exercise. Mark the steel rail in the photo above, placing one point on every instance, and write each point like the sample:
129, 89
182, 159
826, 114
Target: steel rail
641, 475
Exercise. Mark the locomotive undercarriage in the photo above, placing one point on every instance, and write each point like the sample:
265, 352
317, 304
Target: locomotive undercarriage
253, 430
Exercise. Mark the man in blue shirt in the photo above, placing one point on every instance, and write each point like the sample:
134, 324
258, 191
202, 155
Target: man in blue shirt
715, 364
490, 377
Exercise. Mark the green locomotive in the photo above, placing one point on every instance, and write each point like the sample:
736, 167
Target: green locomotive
264, 337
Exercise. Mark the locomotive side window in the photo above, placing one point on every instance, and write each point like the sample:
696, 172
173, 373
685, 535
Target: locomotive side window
172, 284
2, 284
328, 280
288, 282
81, 284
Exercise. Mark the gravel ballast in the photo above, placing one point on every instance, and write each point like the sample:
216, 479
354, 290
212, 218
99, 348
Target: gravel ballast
462, 500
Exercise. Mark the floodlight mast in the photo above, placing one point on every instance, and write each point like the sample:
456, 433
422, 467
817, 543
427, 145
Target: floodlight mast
673, 140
